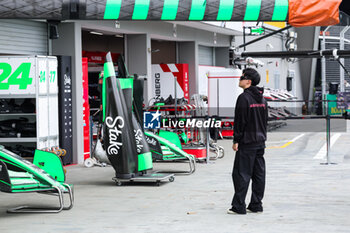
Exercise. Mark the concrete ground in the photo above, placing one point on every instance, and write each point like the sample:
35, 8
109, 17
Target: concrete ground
301, 196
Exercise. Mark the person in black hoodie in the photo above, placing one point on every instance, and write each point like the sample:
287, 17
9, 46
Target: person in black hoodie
249, 138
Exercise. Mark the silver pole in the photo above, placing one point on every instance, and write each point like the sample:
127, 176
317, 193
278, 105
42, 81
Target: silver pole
175, 88
342, 36
328, 122
218, 98
323, 47
328, 138
328, 133
207, 144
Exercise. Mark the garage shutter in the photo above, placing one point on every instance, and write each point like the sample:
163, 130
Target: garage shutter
332, 66
23, 37
205, 55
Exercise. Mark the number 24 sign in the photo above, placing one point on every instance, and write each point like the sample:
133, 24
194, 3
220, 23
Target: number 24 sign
19, 76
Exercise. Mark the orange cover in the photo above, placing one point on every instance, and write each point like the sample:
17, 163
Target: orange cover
313, 12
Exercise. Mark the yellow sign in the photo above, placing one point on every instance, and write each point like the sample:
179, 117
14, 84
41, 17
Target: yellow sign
277, 24
336, 111
267, 76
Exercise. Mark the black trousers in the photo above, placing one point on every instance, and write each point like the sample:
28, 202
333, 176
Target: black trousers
249, 165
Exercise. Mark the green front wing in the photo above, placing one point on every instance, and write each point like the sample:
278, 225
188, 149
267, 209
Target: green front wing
19, 175
170, 150
45, 176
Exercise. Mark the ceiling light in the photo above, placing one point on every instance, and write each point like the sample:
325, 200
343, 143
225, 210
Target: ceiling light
96, 33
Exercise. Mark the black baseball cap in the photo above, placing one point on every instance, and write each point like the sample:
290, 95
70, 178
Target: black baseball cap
252, 75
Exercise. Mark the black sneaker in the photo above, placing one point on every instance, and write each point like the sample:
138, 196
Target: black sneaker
255, 210
234, 211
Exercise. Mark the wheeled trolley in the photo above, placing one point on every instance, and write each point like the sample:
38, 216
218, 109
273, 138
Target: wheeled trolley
151, 177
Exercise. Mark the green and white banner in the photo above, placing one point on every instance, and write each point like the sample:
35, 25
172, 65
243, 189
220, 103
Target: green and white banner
298, 13
224, 10
181, 10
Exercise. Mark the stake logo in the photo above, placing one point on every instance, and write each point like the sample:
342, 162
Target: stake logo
151, 141
67, 80
151, 120
114, 130
138, 137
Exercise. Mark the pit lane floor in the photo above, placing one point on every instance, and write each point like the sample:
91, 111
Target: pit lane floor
301, 196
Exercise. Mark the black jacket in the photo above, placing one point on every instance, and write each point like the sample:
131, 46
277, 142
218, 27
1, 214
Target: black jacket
250, 118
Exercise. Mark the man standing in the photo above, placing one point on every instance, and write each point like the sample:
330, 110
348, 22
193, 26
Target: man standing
249, 143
